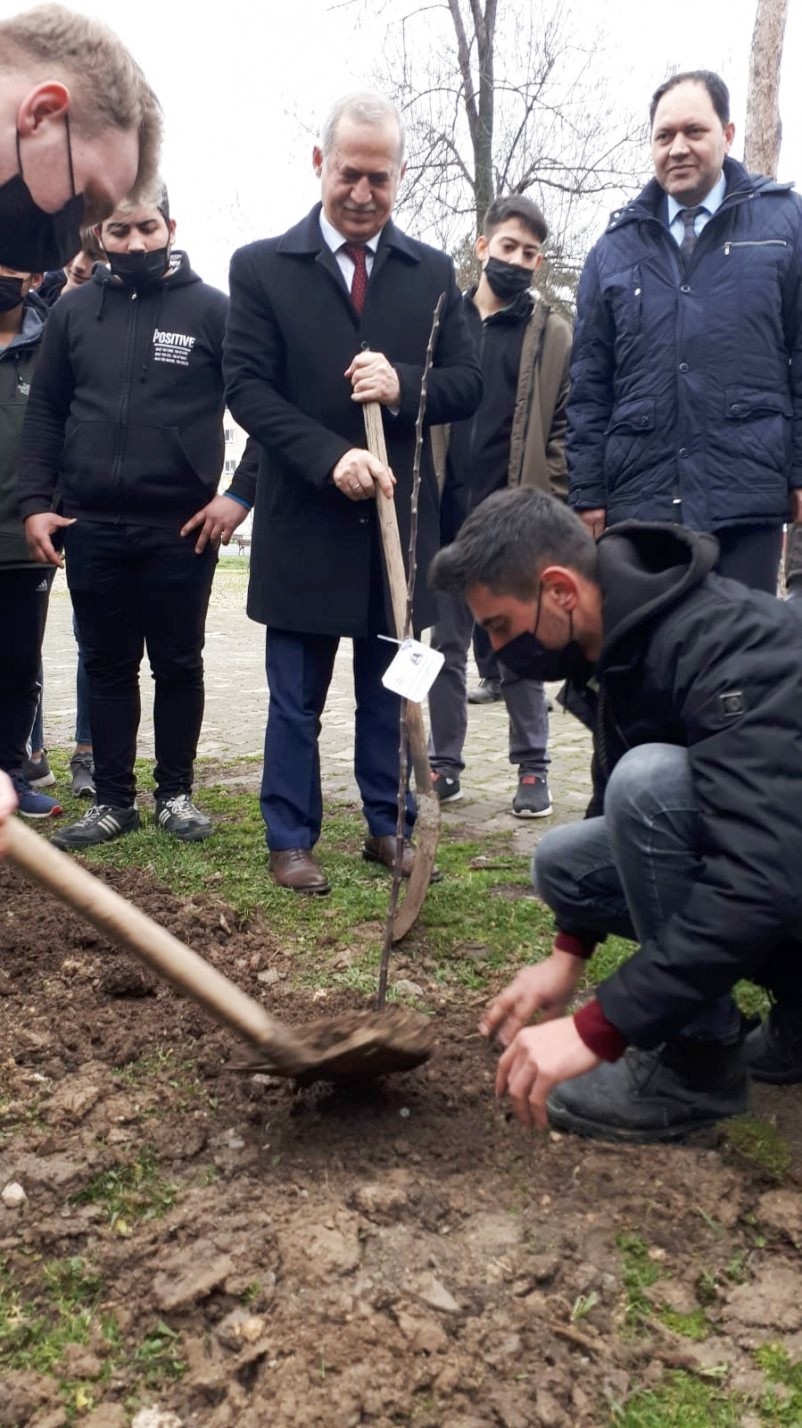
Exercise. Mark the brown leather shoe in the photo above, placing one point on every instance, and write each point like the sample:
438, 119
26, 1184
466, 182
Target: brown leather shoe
298, 869
382, 850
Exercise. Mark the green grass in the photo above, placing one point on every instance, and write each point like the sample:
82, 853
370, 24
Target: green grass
757, 1142
639, 1272
466, 933
680, 1401
61, 1306
34, 1333
131, 1192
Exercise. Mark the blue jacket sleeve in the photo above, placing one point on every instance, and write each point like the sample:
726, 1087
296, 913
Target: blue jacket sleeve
591, 400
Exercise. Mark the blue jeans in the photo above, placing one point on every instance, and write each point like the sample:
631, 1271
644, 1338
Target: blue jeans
628, 871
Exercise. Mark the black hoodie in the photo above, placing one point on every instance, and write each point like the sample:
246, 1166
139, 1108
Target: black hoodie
125, 412
694, 660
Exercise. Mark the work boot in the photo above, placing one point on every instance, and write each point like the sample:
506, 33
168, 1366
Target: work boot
774, 1049
664, 1094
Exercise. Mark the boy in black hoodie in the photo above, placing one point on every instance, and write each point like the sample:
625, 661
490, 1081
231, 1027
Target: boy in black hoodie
693, 687
126, 419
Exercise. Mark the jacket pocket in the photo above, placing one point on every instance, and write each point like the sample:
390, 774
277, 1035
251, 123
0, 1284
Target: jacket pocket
633, 416
756, 436
749, 403
628, 448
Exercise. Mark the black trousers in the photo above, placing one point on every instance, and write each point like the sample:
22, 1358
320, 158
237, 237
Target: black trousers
23, 610
751, 554
137, 587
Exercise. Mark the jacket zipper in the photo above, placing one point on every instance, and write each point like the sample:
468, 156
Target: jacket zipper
754, 243
125, 395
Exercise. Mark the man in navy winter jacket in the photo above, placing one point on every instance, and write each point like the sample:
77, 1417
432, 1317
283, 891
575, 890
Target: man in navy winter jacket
686, 374
125, 420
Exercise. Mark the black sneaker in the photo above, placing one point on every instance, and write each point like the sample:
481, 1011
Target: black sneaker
447, 789
38, 773
533, 799
179, 816
487, 691
100, 824
774, 1049
655, 1095
82, 769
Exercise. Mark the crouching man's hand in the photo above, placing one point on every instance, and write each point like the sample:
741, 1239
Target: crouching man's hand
546, 988
536, 1061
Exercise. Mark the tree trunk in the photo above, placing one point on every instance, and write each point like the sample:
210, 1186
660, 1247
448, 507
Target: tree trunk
763, 127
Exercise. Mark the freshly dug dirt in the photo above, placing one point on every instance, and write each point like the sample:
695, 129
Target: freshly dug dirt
396, 1252
357, 1046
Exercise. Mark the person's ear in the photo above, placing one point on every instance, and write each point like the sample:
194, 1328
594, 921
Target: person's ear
45, 103
481, 248
538, 261
729, 135
317, 160
560, 587
171, 230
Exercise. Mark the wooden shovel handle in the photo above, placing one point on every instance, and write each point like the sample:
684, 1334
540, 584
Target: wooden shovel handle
397, 580
126, 925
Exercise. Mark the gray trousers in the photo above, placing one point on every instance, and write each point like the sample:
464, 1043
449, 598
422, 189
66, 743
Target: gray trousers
448, 710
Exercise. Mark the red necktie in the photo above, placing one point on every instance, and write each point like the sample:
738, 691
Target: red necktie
357, 252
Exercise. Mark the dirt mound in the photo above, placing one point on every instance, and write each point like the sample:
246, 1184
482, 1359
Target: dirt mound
242, 1252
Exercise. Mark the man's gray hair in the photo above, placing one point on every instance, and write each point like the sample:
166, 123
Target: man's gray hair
363, 108
508, 540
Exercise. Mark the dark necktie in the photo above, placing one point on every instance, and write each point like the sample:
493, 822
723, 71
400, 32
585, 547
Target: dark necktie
689, 217
357, 252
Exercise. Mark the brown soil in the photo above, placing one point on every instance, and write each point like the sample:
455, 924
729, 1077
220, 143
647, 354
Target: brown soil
395, 1253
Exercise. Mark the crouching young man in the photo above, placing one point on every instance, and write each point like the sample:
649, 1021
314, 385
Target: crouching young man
693, 687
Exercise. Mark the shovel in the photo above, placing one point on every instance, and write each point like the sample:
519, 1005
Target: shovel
427, 827
354, 1046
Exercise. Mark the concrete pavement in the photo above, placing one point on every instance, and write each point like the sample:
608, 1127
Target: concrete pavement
236, 702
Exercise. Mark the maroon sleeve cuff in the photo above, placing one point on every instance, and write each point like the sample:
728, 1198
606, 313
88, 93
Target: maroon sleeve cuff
567, 942
599, 1034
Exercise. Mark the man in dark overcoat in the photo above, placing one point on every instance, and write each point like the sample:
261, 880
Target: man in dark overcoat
330, 315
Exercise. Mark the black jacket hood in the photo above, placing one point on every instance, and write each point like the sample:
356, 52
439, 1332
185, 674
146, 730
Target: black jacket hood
644, 568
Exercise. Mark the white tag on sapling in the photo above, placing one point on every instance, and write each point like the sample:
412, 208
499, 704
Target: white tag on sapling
413, 670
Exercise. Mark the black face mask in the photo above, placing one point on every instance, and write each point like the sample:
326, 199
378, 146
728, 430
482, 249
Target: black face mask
30, 239
140, 270
10, 293
529, 659
507, 280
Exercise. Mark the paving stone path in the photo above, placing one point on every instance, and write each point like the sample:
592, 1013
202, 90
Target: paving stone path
236, 702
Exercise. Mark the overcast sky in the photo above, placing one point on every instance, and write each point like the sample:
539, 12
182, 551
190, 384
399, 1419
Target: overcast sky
233, 77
